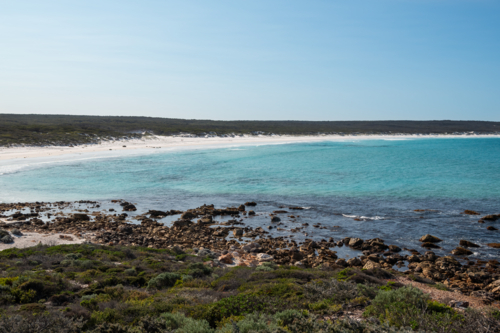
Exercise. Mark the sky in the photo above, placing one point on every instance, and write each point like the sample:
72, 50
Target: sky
252, 60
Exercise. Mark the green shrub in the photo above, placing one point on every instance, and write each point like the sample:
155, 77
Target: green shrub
163, 280
183, 324
252, 323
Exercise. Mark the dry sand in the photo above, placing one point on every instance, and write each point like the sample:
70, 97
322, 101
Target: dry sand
179, 142
29, 239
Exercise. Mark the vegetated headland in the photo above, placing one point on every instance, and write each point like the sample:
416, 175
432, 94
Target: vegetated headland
200, 275
59, 130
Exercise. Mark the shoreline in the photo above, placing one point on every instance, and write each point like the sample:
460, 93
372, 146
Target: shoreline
187, 142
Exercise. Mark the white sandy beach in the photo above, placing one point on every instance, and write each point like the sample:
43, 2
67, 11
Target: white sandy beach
179, 142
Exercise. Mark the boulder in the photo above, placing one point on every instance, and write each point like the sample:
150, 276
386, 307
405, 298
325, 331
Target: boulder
251, 212
341, 262
129, 208
238, 232
491, 217
494, 245
81, 217
188, 216
394, 248
355, 242
371, 265
460, 251
241, 208
251, 204
430, 245
126, 229
275, 219
354, 262
466, 243
264, 257
226, 259
181, 223
491, 228
430, 239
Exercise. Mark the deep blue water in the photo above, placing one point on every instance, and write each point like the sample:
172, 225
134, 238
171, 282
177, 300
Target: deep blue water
383, 181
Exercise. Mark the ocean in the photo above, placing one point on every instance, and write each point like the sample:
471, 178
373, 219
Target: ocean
397, 190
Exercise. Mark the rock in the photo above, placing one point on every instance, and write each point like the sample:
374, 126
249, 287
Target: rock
491, 228
371, 265
491, 217
264, 257
241, 208
430, 245
126, 229
251, 204
430, 239
341, 262
413, 258
188, 216
275, 219
178, 250
251, 212
394, 248
469, 212
181, 223
355, 242
81, 217
460, 251
206, 220
354, 262
129, 208
494, 245
238, 232
493, 285
226, 259
16, 232
7, 239
466, 243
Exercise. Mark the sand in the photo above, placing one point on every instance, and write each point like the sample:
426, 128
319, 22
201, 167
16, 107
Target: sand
179, 142
29, 239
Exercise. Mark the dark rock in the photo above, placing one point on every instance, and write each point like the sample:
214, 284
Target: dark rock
188, 216
275, 219
251, 213
466, 243
81, 217
126, 229
460, 251
491, 228
241, 208
494, 245
182, 223
251, 204
129, 208
394, 248
429, 245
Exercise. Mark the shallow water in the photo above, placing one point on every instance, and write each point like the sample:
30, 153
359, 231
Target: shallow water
380, 182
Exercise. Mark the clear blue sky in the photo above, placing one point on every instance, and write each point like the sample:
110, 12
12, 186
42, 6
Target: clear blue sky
259, 59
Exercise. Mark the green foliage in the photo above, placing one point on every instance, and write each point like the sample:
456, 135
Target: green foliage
163, 280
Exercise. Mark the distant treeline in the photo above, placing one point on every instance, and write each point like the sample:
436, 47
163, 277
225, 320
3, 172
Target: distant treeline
36, 129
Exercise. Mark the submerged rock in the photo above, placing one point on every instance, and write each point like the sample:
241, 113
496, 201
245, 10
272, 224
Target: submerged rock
466, 243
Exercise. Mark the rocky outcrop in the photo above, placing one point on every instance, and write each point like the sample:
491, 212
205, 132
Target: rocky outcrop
430, 239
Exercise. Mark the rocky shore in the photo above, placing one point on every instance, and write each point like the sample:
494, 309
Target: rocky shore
230, 243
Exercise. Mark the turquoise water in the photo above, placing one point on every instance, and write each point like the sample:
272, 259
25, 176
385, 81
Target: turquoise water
383, 181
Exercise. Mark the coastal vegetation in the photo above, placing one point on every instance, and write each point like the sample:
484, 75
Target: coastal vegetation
35, 129
98, 289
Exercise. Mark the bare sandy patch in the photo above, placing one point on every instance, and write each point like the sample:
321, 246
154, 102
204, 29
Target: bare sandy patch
29, 239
